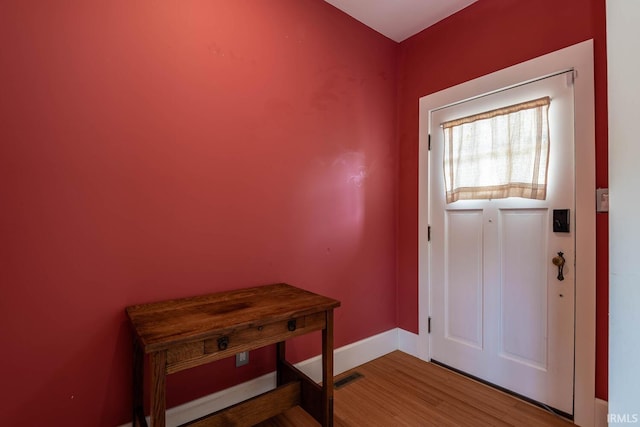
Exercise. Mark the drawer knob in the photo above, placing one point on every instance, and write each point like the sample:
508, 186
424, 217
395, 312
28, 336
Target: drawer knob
291, 325
223, 343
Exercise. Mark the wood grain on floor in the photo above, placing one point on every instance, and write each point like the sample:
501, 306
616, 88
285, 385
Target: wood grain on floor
401, 390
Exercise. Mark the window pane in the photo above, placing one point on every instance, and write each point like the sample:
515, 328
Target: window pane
498, 154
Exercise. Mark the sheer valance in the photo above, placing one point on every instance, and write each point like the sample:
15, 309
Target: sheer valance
499, 153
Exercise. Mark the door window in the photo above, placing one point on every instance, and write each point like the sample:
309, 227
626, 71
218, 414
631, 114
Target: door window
498, 154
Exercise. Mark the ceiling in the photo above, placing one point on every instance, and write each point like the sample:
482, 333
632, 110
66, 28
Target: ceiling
400, 19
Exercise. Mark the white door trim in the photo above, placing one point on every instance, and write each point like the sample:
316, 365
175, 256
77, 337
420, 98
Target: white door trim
580, 58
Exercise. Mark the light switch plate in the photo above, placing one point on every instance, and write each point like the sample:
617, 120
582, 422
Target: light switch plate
602, 200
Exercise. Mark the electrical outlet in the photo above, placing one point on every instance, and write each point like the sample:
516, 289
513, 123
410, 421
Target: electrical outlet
242, 358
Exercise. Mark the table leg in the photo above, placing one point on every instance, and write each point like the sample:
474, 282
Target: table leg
280, 359
327, 372
158, 388
138, 378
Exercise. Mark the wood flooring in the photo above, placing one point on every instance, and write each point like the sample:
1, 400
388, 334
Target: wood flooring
401, 390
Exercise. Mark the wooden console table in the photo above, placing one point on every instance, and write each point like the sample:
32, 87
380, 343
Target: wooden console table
184, 333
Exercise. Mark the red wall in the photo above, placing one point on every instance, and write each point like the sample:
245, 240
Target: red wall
485, 37
153, 150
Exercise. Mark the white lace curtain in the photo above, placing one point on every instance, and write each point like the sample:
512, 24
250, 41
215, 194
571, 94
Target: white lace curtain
498, 154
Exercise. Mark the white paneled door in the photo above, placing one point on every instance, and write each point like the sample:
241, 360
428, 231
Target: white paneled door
498, 310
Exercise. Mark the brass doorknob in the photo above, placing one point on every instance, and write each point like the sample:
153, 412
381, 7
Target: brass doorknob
559, 261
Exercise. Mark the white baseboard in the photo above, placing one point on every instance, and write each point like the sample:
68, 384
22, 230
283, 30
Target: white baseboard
601, 411
352, 355
345, 358
408, 342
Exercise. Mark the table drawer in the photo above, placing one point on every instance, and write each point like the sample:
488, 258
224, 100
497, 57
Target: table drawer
224, 345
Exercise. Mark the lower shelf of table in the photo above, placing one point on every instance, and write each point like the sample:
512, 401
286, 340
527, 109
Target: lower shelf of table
255, 410
295, 416
294, 389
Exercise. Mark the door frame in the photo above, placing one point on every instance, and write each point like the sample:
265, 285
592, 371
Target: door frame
580, 58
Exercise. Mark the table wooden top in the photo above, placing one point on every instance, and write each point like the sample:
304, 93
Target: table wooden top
163, 324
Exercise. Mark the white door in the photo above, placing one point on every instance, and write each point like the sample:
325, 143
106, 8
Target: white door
498, 311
